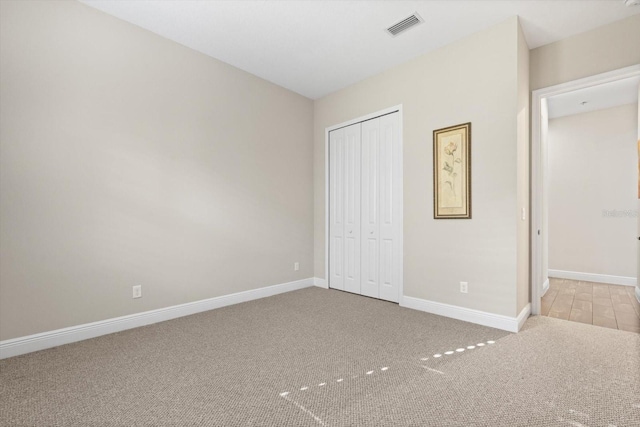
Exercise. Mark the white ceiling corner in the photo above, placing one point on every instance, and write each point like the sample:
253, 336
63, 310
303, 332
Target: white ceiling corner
607, 95
316, 47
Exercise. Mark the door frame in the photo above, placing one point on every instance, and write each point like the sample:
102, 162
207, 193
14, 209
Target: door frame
396, 108
539, 186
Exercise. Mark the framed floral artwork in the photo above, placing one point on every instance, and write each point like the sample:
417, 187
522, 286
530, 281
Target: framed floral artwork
452, 172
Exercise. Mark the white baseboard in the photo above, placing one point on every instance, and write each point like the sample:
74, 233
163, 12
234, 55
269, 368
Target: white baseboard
523, 316
590, 277
321, 283
31, 343
498, 321
545, 287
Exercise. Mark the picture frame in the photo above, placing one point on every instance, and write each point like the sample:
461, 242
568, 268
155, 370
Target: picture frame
452, 172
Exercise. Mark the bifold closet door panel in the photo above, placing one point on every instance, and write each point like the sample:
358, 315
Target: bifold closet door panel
336, 209
370, 208
344, 208
390, 179
352, 232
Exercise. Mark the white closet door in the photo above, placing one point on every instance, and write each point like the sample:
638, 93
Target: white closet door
344, 215
365, 195
381, 186
390, 207
352, 230
371, 208
337, 200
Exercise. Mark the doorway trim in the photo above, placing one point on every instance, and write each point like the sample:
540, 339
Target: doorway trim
360, 119
538, 184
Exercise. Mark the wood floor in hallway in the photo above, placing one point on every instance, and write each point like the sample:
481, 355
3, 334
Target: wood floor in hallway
610, 306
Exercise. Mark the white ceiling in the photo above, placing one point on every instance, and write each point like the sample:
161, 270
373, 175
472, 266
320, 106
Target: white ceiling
599, 97
317, 47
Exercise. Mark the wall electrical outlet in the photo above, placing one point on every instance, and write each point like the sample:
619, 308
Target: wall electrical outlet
296, 266
464, 287
137, 291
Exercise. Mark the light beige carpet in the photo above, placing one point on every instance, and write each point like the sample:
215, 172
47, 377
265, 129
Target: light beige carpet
316, 357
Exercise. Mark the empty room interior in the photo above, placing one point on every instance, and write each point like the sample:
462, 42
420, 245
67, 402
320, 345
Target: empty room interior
319, 213
592, 197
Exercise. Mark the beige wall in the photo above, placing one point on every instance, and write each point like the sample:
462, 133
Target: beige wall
593, 168
603, 49
476, 80
127, 159
524, 225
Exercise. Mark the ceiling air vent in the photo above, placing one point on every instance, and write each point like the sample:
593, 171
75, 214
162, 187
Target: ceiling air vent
405, 24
